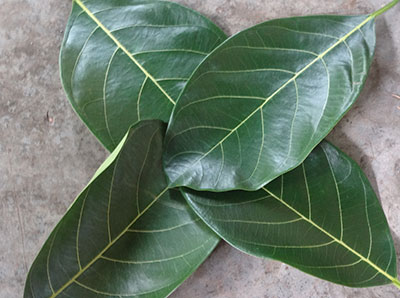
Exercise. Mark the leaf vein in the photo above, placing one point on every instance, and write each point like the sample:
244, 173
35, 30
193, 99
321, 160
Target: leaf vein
319, 57
166, 229
79, 227
105, 95
123, 48
366, 260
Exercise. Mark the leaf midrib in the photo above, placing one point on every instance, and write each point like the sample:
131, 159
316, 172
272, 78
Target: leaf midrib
72, 280
319, 57
393, 279
123, 48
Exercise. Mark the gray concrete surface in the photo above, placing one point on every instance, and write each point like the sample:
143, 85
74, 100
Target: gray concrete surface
47, 155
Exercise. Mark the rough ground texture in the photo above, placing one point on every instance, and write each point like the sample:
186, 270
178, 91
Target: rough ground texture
47, 155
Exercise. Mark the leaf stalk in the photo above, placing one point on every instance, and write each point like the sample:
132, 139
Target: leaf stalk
396, 282
385, 8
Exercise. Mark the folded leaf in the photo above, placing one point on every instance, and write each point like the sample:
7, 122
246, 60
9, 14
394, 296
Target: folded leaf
259, 104
126, 234
125, 61
322, 218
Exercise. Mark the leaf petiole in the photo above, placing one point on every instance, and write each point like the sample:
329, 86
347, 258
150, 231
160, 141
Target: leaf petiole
385, 8
396, 282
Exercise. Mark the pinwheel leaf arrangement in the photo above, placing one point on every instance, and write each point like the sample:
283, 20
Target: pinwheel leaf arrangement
213, 137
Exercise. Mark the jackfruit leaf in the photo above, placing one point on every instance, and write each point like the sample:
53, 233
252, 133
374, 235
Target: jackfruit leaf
258, 104
322, 217
126, 234
125, 61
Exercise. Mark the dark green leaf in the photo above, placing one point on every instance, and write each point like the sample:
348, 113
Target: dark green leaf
124, 61
259, 104
126, 234
322, 218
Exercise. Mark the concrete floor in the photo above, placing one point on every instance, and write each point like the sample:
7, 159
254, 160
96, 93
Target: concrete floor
47, 155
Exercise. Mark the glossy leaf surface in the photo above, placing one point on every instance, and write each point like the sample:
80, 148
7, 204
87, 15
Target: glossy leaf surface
259, 104
322, 218
126, 235
124, 61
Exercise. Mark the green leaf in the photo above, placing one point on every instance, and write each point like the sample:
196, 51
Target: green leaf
125, 61
257, 105
322, 218
126, 234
